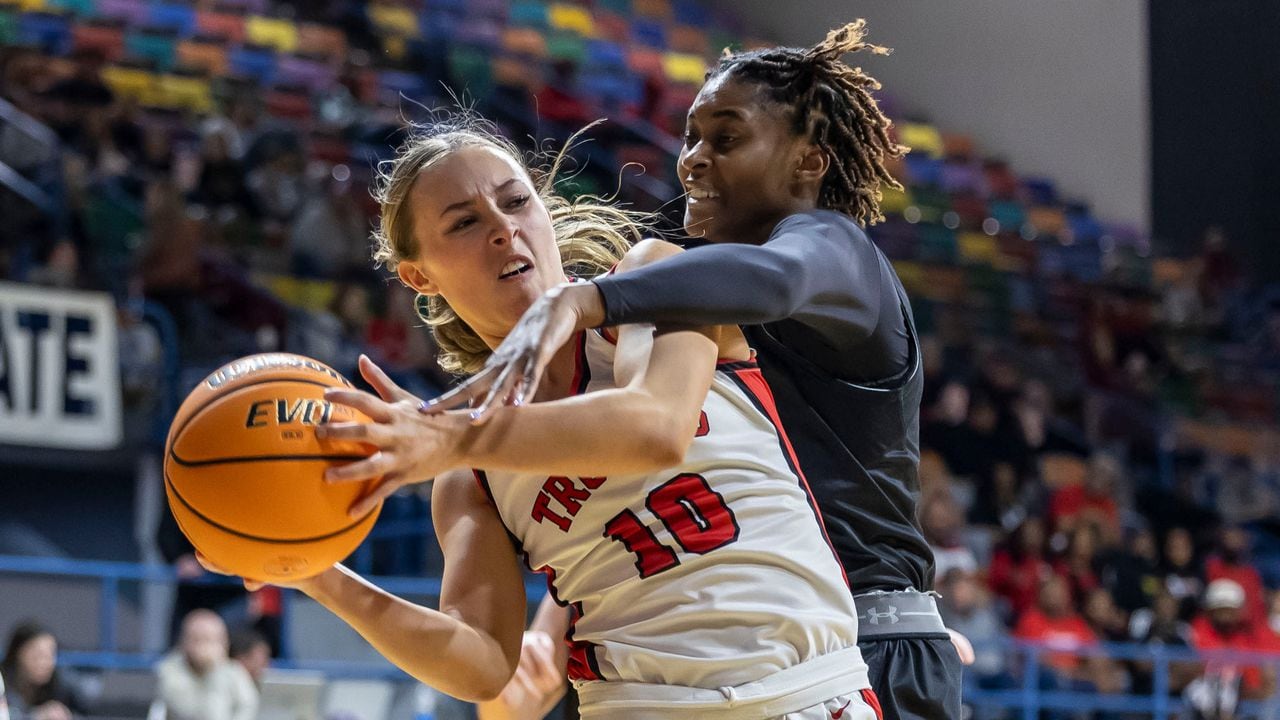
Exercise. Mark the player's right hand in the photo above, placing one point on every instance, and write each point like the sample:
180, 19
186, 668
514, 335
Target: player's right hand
535, 688
251, 585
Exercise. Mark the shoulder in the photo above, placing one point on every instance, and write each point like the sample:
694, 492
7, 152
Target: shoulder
647, 252
825, 222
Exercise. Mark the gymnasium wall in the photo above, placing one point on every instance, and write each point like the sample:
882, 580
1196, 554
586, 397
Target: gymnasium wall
1025, 77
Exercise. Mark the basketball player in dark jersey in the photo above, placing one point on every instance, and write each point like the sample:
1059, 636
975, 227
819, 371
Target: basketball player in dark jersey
782, 162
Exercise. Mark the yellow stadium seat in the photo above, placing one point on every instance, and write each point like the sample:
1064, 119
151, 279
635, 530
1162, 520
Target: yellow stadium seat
279, 34
298, 292
26, 5
394, 20
573, 18
977, 248
184, 93
683, 68
893, 201
911, 274
133, 83
921, 138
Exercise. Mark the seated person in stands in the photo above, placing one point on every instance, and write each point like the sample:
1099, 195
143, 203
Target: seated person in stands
34, 686
251, 649
199, 681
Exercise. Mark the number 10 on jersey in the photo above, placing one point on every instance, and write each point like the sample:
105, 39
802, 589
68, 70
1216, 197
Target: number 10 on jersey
695, 515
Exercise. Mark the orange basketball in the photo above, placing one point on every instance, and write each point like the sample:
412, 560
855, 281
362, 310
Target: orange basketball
243, 469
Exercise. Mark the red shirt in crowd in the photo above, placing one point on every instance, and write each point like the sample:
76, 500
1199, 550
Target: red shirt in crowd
1073, 500
1018, 581
1255, 609
1204, 636
1069, 632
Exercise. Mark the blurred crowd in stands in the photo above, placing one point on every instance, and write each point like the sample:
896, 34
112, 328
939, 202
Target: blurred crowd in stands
1099, 459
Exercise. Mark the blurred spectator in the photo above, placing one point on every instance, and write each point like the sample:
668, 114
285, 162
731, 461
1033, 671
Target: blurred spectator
1093, 501
251, 649
330, 233
1182, 571
966, 607
1019, 568
942, 522
221, 186
1107, 621
1130, 572
1076, 566
4, 701
198, 681
1225, 626
1160, 625
35, 687
1232, 562
1054, 624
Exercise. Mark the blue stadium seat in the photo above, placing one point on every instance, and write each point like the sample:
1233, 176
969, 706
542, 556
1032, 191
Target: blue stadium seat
924, 170
602, 54
691, 12
51, 32
649, 33
253, 61
175, 17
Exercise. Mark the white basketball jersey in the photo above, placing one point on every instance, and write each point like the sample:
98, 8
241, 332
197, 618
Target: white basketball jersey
713, 573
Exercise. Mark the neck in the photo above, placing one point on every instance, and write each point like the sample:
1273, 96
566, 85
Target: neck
558, 379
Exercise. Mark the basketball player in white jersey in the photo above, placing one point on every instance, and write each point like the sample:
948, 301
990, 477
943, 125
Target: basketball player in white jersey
676, 528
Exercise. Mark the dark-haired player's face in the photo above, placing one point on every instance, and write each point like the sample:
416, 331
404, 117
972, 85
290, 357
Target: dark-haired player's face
739, 164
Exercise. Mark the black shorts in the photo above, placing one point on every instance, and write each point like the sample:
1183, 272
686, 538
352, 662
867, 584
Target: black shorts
916, 677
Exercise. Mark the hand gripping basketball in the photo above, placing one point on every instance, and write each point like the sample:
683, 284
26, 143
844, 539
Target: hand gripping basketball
410, 447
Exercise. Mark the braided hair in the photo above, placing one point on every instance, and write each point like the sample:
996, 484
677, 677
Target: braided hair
831, 103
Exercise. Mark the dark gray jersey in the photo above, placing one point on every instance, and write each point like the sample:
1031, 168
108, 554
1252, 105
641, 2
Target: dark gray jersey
834, 336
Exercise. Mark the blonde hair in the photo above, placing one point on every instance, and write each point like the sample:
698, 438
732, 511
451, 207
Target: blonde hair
591, 235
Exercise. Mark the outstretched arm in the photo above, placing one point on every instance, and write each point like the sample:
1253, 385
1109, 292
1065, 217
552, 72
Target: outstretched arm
644, 424
815, 269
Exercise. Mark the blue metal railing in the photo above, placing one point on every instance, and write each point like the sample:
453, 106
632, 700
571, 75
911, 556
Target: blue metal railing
1027, 695
111, 574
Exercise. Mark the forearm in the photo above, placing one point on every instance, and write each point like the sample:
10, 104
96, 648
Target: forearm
435, 648
716, 285
601, 433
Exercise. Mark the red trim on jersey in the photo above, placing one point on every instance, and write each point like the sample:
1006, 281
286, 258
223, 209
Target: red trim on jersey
869, 697
582, 657
609, 336
752, 382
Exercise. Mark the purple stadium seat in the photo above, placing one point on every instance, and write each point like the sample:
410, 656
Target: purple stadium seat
133, 12
960, 176
1040, 191
312, 74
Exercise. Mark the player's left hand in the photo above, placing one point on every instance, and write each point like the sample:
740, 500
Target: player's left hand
410, 447
963, 647
250, 585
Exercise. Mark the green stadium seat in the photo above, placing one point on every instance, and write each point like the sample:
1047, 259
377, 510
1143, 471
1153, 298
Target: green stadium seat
566, 46
158, 47
80, 8
469, 67
528, 13
8, 27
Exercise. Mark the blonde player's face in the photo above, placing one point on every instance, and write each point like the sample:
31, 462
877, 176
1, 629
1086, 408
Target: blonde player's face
485, 239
